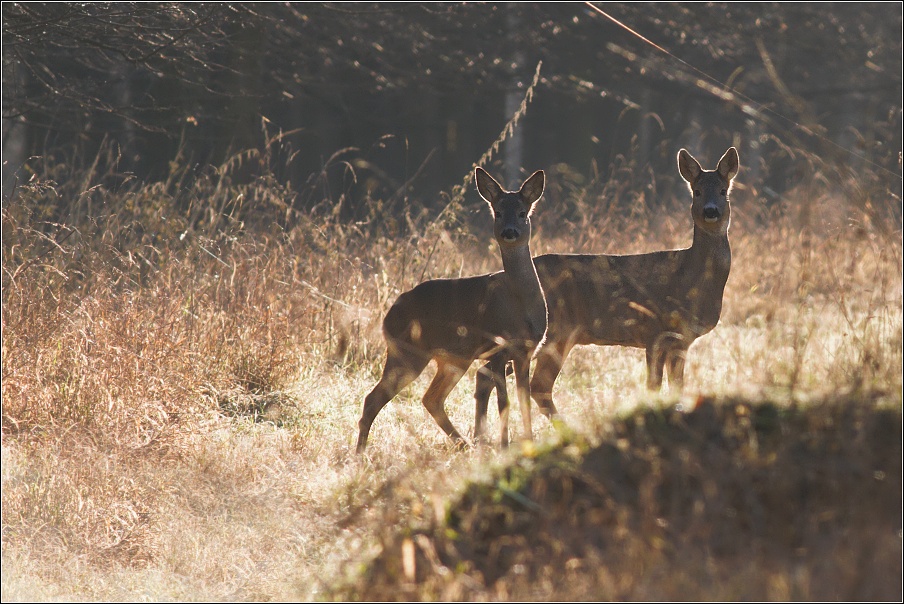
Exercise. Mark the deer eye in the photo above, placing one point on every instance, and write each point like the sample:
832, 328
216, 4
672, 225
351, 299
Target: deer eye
696, 193
522, 214
724, 192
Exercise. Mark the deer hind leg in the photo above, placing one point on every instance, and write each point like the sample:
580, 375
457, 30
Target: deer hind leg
491, 375
668, 347
522, 385
447, 375
655, 366
550, 359
675, 360
502, 402
398, 372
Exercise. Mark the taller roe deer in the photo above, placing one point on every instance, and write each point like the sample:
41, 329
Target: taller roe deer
455, 321
661, 301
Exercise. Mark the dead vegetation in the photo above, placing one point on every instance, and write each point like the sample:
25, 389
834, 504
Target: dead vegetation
184, 362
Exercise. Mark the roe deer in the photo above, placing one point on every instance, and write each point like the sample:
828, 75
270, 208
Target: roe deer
456, 321
661, 301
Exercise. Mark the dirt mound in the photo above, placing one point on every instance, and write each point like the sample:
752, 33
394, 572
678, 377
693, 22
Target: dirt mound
729, 500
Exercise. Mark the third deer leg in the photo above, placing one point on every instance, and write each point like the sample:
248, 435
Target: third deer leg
655, 366
502, 403
491, 375
482, 388
550, 359
675, 364
447, 375
522, 385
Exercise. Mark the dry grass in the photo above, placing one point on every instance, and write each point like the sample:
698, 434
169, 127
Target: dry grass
184, 364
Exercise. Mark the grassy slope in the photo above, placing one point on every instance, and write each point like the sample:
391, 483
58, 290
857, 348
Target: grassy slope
729, 500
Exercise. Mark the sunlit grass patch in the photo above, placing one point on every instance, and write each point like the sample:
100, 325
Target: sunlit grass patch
180, 400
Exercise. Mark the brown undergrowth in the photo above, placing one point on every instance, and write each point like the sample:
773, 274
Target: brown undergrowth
183, 364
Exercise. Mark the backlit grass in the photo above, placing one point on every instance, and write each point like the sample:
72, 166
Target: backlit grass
184, 366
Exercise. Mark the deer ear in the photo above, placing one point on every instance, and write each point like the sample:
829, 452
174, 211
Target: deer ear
487, 186
688, 166
729, 164
533, 187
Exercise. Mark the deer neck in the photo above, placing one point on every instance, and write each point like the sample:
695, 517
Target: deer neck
524, 282
712, 245
709, 257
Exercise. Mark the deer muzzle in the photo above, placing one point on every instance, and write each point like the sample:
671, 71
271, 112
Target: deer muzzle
510, 235
711, 214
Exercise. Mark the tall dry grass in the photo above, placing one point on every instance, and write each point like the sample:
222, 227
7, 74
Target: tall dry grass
184, 361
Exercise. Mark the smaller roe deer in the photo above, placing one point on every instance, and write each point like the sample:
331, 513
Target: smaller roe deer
660, 301
455, 321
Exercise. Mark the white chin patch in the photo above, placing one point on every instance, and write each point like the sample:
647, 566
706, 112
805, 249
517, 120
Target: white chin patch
711, 220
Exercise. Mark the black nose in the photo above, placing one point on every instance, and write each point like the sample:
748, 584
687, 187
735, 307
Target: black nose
711, 214
510, 234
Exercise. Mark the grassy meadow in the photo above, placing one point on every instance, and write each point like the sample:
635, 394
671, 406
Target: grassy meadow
185, 361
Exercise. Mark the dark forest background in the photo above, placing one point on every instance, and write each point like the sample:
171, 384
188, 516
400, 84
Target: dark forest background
378, 100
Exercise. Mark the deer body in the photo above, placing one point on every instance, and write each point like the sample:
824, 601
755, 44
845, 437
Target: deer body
660, 301
456, 321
